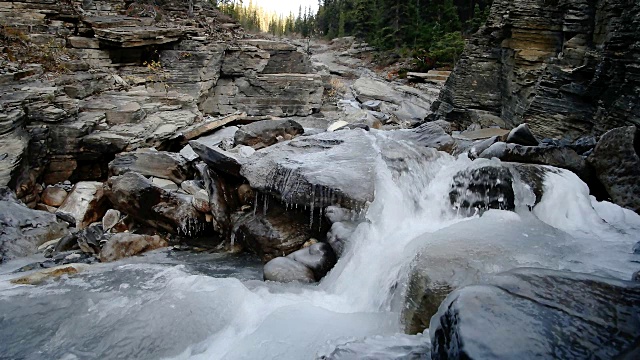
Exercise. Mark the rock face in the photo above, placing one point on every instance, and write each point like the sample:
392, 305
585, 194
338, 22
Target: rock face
135, 195
617, 164
148, 162
534, 313
22, 229
567, 68
125, 245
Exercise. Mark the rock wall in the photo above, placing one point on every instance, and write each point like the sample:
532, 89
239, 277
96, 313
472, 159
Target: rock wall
81, 81
565, 67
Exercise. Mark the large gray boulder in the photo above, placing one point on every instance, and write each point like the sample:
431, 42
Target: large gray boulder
617, 164
535, 313
151, 205
149, 162
333, 168
22, 229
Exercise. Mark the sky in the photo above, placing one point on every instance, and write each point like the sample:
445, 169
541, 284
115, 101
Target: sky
285, 6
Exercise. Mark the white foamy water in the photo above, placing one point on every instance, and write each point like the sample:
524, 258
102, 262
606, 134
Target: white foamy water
160, 309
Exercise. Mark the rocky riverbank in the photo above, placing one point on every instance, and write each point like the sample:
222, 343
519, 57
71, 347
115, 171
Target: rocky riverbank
181, 131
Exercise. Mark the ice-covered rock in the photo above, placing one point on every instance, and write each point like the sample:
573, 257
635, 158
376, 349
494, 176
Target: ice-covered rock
535, 313
318, 257
282, 269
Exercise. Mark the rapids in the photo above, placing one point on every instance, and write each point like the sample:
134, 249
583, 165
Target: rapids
167, 306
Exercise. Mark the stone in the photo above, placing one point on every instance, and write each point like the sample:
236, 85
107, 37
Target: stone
535, 313
164, 184
111, 219
24, 229
39, 277
330, 168
126, 245
276, 233
283, 269
617, 166
148, 162
209, 149
136, 36
318, 257
200, 201
136, 196
432, 135
53, 196
84, 205
246, 195
264, 133
522, 135
191, 187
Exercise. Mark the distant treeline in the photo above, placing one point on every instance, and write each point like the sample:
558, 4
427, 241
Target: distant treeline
432, 31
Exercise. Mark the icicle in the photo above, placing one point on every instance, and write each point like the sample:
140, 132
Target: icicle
255, 204
265, 205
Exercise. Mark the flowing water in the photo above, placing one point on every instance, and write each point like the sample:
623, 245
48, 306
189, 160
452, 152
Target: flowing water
163, 306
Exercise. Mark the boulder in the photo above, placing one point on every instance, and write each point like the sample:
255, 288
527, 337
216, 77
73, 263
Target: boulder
136, 196
85, 204
535, 313
432, 135
210, 150
265, 133
617, 165
200, 201
126, 244
111, 219
22, 229
149, 162
522, 135
54, 196
221, 199
282, 269
271, 234
331, 168
318, 257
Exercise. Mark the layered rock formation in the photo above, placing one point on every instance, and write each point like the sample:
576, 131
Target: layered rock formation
567, 68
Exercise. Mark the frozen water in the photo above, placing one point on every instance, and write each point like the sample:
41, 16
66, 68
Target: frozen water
160, 307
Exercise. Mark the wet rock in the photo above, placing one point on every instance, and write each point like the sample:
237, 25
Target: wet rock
22, 229
283, 269
39, 277
54, 196
330, 168
276, 233
481, 145
136, 196
148, 162
126, 244
85, 204
318, 257
246, 194
265, 133
584, 144
221, 198
67, 243
522, 135
482, 189
535, 313
617, 166
215, 156
561, 157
